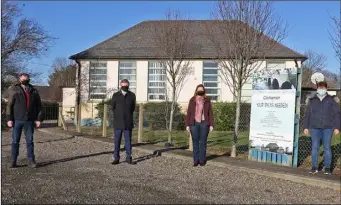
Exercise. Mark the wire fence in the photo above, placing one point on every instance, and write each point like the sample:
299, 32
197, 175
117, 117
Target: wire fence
154, 129
151, 125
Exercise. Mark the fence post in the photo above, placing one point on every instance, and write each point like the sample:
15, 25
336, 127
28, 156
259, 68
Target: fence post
79, 118
140, 131
105, 119
60, 109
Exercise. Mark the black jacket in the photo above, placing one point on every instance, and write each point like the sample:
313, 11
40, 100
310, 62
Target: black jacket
323, 114
16, 105
123, 107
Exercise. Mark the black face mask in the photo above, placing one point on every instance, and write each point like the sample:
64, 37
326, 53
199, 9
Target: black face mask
125, 88
25, 82
201, 93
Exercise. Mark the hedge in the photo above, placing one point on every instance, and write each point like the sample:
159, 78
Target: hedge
154, 115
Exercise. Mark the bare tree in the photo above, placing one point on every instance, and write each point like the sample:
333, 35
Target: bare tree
21, 40
172, 39
246, 31
335, 36
316, 62
63, 73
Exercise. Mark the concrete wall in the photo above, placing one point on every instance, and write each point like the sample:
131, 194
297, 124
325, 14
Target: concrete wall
69, 102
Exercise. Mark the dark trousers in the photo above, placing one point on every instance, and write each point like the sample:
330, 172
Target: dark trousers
199, 132
127, 143
16, 135
326, 136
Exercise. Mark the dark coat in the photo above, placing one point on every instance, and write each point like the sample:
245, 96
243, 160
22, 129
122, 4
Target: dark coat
208, 112
323, 114
123, 107
16, 105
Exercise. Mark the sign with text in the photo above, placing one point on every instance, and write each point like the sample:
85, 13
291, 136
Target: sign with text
273, 113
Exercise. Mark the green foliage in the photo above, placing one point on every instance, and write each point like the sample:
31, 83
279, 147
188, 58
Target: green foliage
225, 113
155, 115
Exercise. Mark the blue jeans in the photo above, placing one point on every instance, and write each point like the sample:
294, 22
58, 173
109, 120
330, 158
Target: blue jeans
316, 136
16, 135
127, 143
199, 132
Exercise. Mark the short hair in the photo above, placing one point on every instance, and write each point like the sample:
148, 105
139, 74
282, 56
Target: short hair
24, 74
322, 84
125, 81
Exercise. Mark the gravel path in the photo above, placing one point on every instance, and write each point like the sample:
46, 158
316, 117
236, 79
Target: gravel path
79, 171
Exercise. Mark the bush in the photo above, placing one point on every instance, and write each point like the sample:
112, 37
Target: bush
154, 115
224, 116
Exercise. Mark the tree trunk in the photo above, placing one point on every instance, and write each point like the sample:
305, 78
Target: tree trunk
171, 116
236, 124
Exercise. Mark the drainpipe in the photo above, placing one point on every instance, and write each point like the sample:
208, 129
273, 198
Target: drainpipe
78, 96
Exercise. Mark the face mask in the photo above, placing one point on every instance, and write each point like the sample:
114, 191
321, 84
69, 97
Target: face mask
201, 93
25, 82
321, 92
125, 88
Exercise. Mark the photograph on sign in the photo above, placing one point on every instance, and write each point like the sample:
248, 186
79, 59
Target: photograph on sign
275, 79
273, 110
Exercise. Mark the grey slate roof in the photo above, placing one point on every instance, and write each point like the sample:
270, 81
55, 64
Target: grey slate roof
137, 43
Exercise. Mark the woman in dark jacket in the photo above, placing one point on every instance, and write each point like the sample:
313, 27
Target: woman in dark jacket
199, 122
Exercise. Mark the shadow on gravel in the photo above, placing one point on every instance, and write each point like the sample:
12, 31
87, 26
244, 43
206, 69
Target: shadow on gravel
44, 164
160, 151
156, 153
41, 142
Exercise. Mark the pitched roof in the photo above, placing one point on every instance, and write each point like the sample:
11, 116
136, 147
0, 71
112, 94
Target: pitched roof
138, 42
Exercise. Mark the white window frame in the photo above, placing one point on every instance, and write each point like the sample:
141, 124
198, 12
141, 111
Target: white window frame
132, 83
217, 81
163, 73
91, 67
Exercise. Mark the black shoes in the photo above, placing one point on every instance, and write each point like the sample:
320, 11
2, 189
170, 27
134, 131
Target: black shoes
115, 162
203, 163
195, 164
327, 171
131, 162
313, 171
13, 164
31, 164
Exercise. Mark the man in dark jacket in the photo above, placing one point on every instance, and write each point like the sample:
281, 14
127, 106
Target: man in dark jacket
123, 106
23, 112
322, 120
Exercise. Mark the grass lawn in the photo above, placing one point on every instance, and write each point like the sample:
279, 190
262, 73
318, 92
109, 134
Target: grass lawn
220, 143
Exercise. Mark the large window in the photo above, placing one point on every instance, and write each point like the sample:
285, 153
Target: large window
127, 70
156, 81
98, 80
210, 80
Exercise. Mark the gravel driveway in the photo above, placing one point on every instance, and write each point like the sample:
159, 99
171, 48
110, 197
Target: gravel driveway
79, 171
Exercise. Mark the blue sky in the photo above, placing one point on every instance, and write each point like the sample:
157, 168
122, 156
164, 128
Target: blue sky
79, 25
